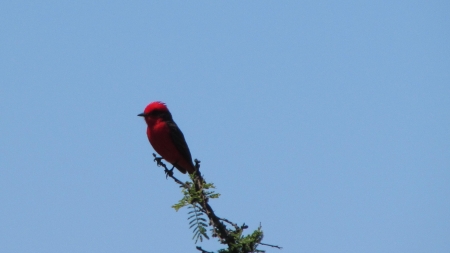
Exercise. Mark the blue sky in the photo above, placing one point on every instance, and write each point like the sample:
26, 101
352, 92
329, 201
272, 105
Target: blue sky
328, 123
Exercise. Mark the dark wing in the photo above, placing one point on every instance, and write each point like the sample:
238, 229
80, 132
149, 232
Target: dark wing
180, 143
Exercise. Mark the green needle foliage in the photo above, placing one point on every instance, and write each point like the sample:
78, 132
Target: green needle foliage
198, 223
196, 196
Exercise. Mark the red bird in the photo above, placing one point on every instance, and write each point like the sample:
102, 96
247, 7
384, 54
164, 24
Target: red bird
166, 138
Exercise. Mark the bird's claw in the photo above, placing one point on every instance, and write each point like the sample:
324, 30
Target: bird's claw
157, 159
169, 173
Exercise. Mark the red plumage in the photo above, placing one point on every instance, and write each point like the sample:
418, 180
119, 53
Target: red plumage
166, 138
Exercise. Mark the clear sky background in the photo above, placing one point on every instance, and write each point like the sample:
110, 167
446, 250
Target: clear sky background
326, 122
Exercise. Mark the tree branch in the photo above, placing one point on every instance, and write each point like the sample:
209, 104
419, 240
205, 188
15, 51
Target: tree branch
219, 228
199, 198
169, 173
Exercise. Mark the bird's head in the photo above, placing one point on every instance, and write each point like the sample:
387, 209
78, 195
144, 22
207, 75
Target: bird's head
154, 111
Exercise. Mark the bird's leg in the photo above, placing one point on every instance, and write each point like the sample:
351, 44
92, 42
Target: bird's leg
169, 173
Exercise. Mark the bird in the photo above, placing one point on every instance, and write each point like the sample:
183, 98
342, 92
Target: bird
166, 138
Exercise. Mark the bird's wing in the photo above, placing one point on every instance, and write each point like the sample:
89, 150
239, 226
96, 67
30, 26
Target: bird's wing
179, 141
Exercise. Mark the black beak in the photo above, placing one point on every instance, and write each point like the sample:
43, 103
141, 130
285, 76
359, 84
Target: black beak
141, 115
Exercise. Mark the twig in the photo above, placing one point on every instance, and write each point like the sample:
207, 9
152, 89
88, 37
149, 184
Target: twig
232, 224
270, 245
202, 250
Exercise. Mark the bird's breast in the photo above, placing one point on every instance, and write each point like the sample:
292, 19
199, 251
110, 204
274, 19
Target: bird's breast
159, 137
